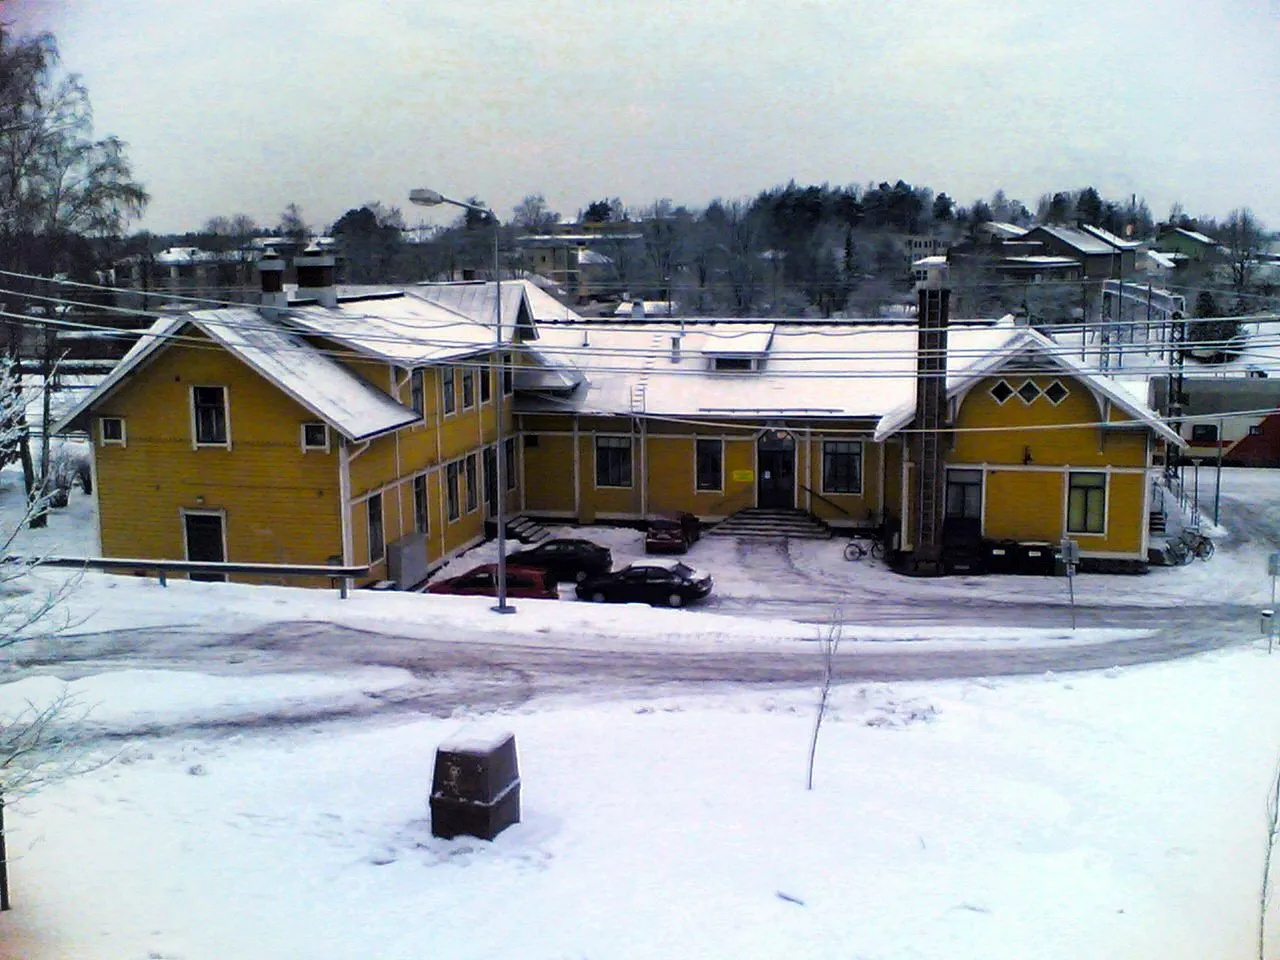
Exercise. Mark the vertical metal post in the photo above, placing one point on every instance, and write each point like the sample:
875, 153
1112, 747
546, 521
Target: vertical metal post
1217, 484
4, 861
1195, 519
498, 408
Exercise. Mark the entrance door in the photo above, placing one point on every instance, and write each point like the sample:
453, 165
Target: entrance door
776, 470
205, 541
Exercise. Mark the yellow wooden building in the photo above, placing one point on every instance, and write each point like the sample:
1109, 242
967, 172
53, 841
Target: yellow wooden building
363, 429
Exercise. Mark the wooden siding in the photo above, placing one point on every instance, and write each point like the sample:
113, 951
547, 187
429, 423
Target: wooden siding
280, 503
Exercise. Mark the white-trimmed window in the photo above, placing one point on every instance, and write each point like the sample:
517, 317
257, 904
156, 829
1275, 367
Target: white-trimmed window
421, 522
486, 383
377, 544
315, 436
509, 464
709, 465
613, 461
449, 388
473, 483
111, 432
841, 466
508, 375
452, 501
417, 392
964, 494
468, 388
209, 415
1086, 502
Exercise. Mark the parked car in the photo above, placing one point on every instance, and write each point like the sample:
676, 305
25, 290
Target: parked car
672, 533
672, 583
565, 559
482, 581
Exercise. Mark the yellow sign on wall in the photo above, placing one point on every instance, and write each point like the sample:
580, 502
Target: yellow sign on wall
743, 476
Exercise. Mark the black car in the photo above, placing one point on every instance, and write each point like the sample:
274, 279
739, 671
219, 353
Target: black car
671, 583
565, 559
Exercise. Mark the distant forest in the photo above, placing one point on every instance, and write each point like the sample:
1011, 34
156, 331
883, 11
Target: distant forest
793, 249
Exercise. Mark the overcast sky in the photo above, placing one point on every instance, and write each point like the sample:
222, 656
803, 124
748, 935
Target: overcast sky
235, 106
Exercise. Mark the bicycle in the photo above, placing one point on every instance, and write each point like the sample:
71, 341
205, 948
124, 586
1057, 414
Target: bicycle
1190, 545
856, 549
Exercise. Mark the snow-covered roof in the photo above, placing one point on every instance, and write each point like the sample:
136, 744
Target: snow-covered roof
651, 308
1161, 259
861, 370
738, 340
939, 260
407, 330
1079, 239
1024, 342
593, 258
1196, 236
329, 390
1106, 236
1040, 260
1003, 229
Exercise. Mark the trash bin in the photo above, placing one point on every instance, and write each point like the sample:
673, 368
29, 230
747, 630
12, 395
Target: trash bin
1035, 559
475, 790
1000, 555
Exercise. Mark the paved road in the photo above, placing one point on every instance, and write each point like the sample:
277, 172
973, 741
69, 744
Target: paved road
479, 672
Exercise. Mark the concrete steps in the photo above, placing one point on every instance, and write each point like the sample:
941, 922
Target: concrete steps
766, 524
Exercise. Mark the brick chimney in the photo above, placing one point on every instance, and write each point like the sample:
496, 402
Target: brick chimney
271, 275
316, 271
934, 297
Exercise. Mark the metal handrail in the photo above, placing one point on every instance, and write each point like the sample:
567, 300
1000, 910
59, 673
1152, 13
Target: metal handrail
829, 503
162, 567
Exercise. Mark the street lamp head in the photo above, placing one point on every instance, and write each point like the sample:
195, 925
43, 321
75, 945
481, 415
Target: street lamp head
426, 198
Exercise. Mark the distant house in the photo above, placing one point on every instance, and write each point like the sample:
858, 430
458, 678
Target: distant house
1189, 243
1099, 253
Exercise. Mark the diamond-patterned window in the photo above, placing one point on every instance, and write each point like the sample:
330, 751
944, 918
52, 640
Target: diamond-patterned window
1002, 392
1056, 392
1028, 391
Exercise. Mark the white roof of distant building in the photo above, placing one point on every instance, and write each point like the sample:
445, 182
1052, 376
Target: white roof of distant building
1106, 236
1003, 229
652, 308
1084, 242
1196, 236
1161, 259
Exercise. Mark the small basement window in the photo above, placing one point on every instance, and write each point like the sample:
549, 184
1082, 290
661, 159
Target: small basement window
315, 436
111, 431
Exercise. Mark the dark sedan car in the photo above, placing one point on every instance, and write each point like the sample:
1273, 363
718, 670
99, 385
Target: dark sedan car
671, 584
673, 533
565, 559
482, 581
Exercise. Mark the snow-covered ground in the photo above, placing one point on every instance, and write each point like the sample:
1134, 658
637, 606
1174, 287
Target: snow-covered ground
1117, 813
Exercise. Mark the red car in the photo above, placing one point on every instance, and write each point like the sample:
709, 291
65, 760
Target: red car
483, 582
672, 533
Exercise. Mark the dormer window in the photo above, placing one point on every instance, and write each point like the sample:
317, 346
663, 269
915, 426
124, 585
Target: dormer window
734, 363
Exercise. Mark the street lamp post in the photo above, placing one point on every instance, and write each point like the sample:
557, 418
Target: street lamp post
432, 198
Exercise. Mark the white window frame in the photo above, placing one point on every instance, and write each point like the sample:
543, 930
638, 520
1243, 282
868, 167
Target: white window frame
1106, 504
421, 518
696, 488
631, 461
382, 525
471, 479
312, 447
447, 408
418, 392
453, 481
469, 374
196, 442
102, 433
862, 466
